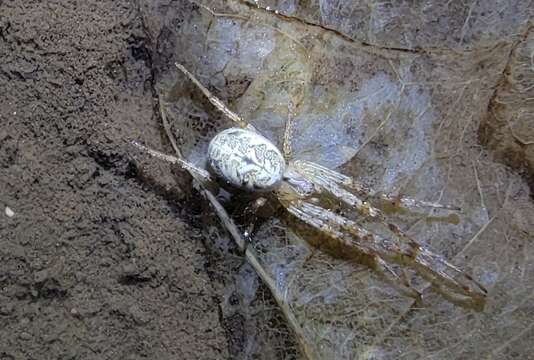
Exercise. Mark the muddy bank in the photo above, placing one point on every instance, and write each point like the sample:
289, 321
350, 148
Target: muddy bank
94, 263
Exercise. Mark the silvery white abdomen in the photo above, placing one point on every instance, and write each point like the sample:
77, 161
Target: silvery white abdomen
246, 159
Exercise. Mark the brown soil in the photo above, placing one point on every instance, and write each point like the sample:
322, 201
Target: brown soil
96, 261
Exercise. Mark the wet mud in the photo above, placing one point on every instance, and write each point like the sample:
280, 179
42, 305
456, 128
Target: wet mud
96, 262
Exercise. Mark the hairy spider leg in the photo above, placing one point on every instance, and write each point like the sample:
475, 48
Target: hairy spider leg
444, 276
430, 266
336, 226
200, 174
214, 100
334, 178
288, 134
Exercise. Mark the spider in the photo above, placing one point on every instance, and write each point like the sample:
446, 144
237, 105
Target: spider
350, 217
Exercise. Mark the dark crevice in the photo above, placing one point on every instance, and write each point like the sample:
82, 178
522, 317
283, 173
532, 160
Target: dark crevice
51, 292
106, 161
139, 50
132, 280
4, 30
146, 54
49, 289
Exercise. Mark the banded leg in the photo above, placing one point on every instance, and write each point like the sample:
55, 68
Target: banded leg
200, 174
436, 269
445, 278
214, 100
432, 267
343, 186
288, 134
336, 226
206, 181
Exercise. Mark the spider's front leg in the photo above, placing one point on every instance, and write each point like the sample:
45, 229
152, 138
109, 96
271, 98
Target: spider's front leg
390, 244
348, 190
288, 134
215, 100
341, 236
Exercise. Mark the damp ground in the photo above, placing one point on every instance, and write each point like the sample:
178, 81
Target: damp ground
95, 263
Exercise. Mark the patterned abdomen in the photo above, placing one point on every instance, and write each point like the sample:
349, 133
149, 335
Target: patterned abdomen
246, 159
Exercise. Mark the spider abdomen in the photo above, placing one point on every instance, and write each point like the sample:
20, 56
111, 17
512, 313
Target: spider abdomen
246, 159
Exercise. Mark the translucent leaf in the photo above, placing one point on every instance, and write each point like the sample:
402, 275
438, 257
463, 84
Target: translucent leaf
398, 107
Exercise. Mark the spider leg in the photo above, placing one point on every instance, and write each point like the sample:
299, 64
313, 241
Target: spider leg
336, 184
206, 181
310, 255
327, 179
400, 281
200, 174
349, 237
344, 185
436, 269
288, 133
251, 210
253, 207
214, 100
445, 278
